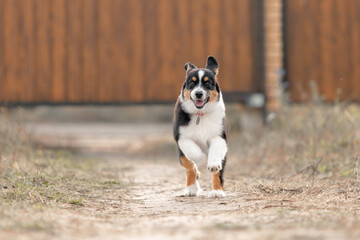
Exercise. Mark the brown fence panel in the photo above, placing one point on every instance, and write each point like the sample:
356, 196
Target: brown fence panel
108, 51
323, 46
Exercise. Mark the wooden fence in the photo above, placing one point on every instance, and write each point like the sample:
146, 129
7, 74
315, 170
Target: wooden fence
323, 46
109, 51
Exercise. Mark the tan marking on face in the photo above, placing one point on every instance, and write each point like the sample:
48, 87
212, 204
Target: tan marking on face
186, 94
206, 79
192, 174
213, 95
216, 182
193, 78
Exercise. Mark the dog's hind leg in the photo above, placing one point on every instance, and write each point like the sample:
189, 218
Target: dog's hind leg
192, 175
218, 182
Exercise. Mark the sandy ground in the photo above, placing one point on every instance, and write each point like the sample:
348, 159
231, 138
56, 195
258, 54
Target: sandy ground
150, 206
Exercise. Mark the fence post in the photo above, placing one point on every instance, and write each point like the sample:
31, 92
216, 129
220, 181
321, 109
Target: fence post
273, 41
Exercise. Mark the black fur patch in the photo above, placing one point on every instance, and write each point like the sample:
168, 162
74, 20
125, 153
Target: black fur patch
223, 135
221, 175
212, 64
180, 155
217, 87
181, 118
225, 131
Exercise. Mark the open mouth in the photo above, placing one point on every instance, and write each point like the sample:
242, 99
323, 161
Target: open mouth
200, 103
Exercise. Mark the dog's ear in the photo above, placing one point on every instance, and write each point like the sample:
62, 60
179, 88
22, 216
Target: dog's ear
188, 66
212, 64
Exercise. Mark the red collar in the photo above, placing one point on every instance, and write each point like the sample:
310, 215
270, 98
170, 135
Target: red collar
200, 114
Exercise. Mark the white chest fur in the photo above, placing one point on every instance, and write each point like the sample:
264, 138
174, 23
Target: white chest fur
209, 126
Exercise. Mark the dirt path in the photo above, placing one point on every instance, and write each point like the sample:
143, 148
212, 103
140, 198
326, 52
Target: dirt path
161, 212
150, 206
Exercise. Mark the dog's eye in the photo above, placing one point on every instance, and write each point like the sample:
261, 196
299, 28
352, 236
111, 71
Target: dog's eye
191, 85
208, 85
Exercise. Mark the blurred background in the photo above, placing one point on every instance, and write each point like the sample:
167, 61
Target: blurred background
122, 61
122, 51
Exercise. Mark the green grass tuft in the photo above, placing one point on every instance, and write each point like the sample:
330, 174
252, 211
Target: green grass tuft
78, 202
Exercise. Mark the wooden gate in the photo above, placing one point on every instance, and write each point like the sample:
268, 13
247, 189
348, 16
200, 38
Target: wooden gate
323, 46
116, 51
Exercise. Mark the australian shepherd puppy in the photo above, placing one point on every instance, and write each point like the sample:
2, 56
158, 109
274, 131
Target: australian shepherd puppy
199, 127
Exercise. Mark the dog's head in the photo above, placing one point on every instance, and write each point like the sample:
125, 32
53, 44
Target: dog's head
200, 86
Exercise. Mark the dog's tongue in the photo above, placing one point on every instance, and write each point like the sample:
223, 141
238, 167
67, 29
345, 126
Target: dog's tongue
199, 103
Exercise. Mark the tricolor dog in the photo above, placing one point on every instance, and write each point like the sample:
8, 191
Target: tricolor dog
199, 127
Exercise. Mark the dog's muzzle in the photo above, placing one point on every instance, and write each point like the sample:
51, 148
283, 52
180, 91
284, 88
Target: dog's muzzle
198, 96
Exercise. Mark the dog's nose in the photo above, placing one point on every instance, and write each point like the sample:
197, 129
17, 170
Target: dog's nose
198, 94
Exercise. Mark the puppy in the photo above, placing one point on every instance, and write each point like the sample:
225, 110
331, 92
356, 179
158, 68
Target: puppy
199, 127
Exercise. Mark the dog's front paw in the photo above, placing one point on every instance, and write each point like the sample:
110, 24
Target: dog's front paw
192, 190
214, 167
216, 194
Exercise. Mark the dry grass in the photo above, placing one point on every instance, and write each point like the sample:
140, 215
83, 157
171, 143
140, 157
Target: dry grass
311, 140
39, 178
296, 179
14, 144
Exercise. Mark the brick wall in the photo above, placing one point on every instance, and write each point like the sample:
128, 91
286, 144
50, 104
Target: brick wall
273, 53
